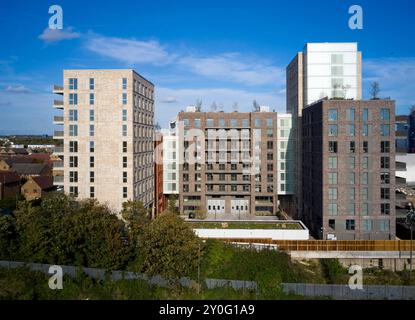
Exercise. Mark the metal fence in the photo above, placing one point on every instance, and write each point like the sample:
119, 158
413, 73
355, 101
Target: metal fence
343, 292
101, 274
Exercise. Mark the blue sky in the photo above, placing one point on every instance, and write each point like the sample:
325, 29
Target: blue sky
218, 51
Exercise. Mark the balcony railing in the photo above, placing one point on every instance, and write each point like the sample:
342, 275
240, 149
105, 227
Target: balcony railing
58, 134
57, 89
58, 164
58, 149
57, 179
400, 166
58, 104
400, 181
58, 119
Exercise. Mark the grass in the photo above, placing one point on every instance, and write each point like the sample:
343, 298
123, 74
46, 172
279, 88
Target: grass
245, 225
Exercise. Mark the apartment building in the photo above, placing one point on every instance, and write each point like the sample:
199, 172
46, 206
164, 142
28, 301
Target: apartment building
229, 163
160, 201
348, 177
108, 134
320, 70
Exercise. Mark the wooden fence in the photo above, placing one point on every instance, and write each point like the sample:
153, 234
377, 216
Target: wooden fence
333, 245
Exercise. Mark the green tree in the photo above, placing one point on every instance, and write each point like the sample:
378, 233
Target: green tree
169, 248
171, 207
8, 237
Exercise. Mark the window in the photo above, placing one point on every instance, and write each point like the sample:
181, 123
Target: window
332, 162
384, 162
73, 115
92, 192
91, 162
332, 146
234, 166
91, 115
364, 178
91, 176
73, 98
351, 130
73, 84
350, 224
270, 178
352, 146
234, 188
351, 209
270, 167
270, 156
124, 192
364, 194
185, 188
73, 162
124, 162
366, 115
257, 122
73, 191
73, 130
385, 178
198, 188
384, 130
332, 224
332, 114
222, 188
385, 193
124, 115
124, 130
352, 162
365, 163
124, 98
234, 123
270, 145
185, 122
332, 193
91, 84
209, 122
384, 114
332, 177
333, 130
91, 99
337, 58
384, 146
352, 194
365, 146
91, 146
124, 177
124, 83
385, 208
91, 130
384, 225
351, 114
332, 209
73, 146
245, 123
269, 122
197, 123
367, 225
352, 179
73, 176
124, 146
221, 122
365, 130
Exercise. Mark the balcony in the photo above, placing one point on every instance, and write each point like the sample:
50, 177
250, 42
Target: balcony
400, 166
401, 134
58, 165
58, 180
58, 150
58, 135
58, 104
401, 151
400, 181
57, 89
58, 120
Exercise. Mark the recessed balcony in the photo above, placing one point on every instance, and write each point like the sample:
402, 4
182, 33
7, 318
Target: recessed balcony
58, 180
58, 135
58, 104
57, 165
58, 120
57, 89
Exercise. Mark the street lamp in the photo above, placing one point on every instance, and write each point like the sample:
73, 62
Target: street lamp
410, 221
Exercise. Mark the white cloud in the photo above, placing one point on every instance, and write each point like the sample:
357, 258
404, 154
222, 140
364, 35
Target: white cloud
130, 51
17, 89
236, 68
55, 35
169, 100
396, 77
233, 67
221, 96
